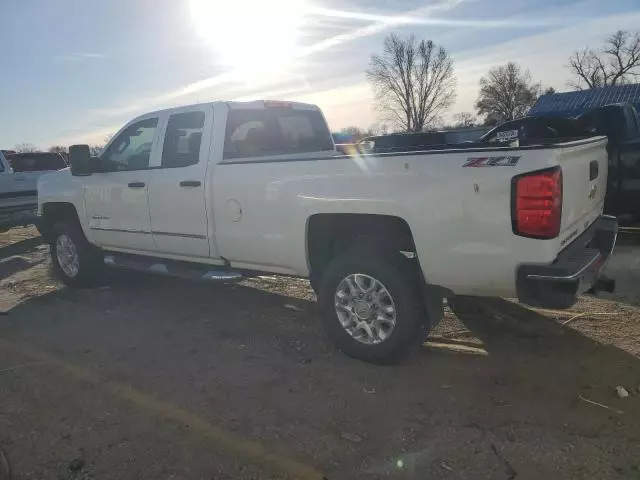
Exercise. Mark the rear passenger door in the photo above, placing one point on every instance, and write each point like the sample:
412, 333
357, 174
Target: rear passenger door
178, 190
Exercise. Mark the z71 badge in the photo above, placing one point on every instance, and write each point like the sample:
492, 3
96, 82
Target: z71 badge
508, 161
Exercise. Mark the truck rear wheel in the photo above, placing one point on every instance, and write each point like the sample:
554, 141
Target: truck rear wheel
371, 305
74, 259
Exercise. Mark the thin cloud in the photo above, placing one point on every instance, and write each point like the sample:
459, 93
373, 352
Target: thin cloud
433, 21
379, 26
77, 57
92, 137
544, 54
164, 97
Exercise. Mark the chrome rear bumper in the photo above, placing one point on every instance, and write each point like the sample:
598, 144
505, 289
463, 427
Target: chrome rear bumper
576, 269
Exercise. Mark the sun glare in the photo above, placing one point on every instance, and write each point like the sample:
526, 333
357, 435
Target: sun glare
250, 36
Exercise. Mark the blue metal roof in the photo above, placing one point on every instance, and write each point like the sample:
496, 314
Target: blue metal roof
575, 103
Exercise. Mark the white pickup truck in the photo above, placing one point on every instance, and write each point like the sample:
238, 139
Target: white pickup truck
219, 190
18, 196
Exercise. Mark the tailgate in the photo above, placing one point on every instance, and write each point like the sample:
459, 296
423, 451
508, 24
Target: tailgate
584, 184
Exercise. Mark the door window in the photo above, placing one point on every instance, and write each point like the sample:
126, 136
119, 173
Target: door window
182, 141
131, 150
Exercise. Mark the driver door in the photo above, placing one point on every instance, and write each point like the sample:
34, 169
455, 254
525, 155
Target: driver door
116, 195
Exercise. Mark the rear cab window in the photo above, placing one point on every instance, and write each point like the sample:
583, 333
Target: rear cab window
269, 131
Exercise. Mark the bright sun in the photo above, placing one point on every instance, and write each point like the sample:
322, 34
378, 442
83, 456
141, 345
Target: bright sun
250, 36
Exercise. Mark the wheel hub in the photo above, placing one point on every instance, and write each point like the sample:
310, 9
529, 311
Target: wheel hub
365, 308
67, 255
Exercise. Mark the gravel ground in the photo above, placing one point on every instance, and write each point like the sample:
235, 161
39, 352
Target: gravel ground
156, 378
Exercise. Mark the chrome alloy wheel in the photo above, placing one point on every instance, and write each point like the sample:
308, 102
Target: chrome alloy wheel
67, 255
365, 308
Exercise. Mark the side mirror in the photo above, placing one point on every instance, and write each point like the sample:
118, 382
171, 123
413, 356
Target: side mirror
80, 160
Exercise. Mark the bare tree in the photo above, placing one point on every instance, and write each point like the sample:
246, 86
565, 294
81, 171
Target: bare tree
616, 63
506, 93
96, 150
26, 148
464, 119
549, 91
358, 133
413, 81
58, 149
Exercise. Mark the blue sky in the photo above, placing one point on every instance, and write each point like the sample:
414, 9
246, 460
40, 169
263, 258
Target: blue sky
76, 70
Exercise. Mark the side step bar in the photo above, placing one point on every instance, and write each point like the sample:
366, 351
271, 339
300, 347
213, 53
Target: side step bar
171, 268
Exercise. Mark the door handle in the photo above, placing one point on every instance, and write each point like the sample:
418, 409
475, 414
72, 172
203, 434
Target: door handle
136, 185
593, 170
190, 183
19, 179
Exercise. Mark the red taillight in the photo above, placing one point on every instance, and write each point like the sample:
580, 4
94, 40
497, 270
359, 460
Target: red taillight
537, 204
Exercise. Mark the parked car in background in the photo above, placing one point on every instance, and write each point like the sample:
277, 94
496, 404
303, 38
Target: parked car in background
532, 130
345, 143
402, 142
382, 238
36, 162
19, 175
18, 197
618, 122
416, 141
610, 111
621, 125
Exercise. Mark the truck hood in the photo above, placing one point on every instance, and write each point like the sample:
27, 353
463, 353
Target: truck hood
60, 186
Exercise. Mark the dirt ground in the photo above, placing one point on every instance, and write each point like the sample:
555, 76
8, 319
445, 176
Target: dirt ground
154, 378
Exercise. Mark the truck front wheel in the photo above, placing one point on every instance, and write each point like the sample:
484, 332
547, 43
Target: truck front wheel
74, 259
371, 304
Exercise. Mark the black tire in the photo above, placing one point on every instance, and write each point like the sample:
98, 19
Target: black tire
400, 278
434, 304
89, 260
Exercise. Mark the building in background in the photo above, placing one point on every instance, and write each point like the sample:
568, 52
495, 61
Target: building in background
571, 104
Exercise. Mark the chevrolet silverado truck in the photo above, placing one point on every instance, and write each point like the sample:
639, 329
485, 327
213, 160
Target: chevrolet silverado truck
220, 190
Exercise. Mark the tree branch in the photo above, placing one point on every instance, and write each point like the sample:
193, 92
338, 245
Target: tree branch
413, 80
